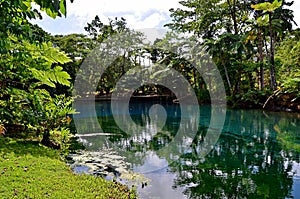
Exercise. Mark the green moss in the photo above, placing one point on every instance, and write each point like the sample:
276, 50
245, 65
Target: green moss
28, 170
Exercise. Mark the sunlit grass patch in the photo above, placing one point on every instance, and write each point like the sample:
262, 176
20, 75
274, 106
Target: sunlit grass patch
28, 170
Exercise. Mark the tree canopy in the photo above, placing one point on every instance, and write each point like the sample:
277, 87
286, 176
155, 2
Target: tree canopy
242, 37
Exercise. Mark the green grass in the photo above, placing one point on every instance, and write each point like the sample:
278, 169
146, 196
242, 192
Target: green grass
29, 170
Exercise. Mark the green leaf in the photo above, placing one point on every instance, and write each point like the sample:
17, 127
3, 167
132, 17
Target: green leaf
26, 5
40, 75
276, 4
261, 6
62, 77
263, 20
52, 76
267, 6
51, 13
63, 7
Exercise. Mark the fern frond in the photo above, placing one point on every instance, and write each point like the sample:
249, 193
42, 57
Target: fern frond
52, 76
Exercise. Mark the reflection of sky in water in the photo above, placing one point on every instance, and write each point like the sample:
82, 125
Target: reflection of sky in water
296, 187
152, 163
161, 186
296, 179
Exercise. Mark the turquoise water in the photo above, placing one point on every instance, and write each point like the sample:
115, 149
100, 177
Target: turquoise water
255, 156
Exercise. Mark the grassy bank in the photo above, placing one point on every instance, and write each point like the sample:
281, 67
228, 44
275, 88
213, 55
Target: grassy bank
29, 170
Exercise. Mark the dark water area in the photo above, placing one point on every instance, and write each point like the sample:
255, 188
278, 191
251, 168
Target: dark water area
255, 156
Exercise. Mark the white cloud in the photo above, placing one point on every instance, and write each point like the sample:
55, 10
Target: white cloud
139, 14
153, 20
296, 8
92, 7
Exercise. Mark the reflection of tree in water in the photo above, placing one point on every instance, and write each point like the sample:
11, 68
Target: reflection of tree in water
145, 135
238, 167
149, 136
288, 133
252, 159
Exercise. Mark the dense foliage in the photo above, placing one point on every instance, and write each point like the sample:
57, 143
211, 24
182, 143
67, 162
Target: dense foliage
30, 66
246, 39
242, 37
251, 42
35, 104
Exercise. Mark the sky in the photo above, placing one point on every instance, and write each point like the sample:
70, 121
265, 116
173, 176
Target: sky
139, 14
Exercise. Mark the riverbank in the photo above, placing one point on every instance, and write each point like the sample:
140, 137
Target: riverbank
277, 103
30, 170
282, 102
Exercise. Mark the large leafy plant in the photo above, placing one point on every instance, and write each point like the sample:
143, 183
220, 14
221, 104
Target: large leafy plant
26, 106
29, 66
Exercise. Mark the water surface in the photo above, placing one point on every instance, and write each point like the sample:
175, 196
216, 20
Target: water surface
256, 155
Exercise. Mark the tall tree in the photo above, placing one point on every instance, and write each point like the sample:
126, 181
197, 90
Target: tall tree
100, 31
268, 9
219, 24
238, 34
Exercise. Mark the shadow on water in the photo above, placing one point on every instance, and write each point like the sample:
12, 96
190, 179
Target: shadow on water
256, 156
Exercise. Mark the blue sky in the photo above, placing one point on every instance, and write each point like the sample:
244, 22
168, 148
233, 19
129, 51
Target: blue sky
139, 14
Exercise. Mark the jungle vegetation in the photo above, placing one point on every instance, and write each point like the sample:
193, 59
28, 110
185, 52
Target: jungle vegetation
253, 43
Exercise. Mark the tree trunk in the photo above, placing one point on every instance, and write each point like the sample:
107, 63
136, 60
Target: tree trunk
272, 61
47, 142
233, 15
227, 78
123, 64
196, 87
46, 138
261, 59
